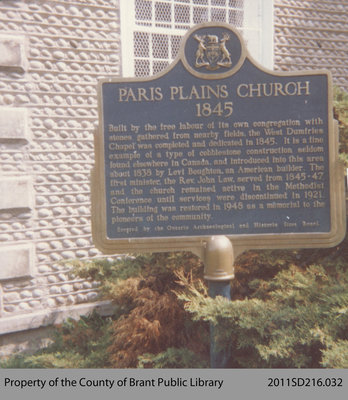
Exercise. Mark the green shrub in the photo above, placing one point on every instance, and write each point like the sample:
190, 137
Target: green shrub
289, 309
172, 358
297, 319
341, 114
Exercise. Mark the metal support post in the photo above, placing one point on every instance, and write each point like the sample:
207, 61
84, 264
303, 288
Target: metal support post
218, 271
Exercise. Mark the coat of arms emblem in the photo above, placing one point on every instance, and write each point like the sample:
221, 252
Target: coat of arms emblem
212, 53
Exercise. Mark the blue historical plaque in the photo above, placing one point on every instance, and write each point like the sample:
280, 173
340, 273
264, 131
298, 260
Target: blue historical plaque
217, 145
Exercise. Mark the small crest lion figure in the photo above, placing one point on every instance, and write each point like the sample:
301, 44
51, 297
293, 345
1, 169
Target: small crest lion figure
212, 53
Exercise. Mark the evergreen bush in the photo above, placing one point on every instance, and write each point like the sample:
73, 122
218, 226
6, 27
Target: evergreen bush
298, 319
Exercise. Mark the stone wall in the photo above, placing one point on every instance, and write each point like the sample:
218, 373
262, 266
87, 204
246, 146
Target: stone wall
51, 55
312, 34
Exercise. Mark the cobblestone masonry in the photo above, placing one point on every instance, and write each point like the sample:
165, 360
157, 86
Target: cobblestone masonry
312, 34
51, 55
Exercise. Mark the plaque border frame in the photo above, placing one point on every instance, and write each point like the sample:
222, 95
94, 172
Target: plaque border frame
240, 243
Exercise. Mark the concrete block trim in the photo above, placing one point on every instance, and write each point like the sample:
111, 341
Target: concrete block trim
14, 124
52, 317
1, 302
13, 53
16, 192
17, 261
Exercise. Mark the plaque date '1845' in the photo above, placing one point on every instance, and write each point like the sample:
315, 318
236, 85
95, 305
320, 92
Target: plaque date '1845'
216, 146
